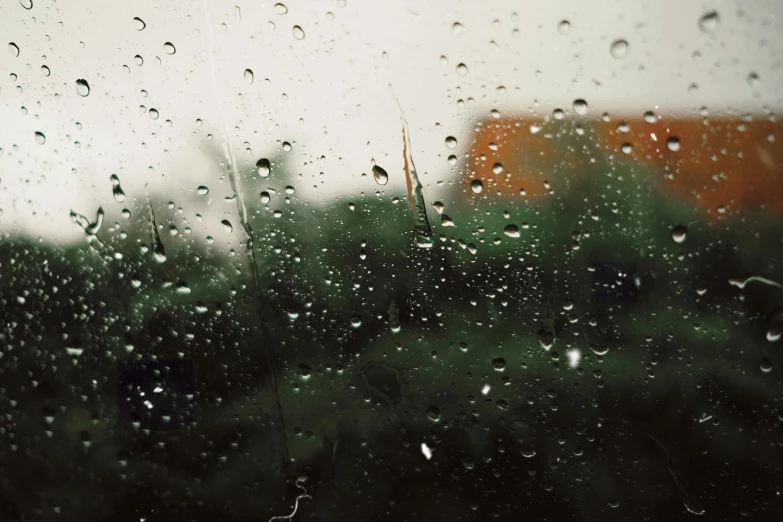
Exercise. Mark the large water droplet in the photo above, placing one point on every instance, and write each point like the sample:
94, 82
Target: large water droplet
476, 186
451, 142
45, 70
511, 231
356, 321
169, 48
139, 24
13, 48
299, 33
619, 48
462, 69
580, 107
154, 114
202, 190
27, 4
709, 22
227, 226
248, 76
380, 175
265, 197
649, 117
281, 9
40, 138
673, 143
119, 195
497, 168
564, 27
263, 167
678, 233
82, 87
773, 334
138, 60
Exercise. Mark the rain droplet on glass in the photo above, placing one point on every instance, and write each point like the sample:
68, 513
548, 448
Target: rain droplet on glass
82, 87
619, 48
263, 167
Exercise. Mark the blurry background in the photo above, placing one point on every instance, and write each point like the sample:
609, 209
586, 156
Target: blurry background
211, 302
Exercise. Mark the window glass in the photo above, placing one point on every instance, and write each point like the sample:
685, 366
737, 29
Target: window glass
366, 260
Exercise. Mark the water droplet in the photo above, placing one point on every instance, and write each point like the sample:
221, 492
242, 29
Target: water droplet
249, 76
227, 226
457, 28
74, 351
169, 48
286, 146
649, 117
433, 413
119, 195
558, 114
580, 107
139, 24
753, 80
619, 48
476, 186
673, 143
497, 168
281, 9
380, 175
627, 148
265, 197
356, 321
40, 138
709, 22
773, 334
13, 48
305, 372
451, 142
564, 27
83, 88
678, 233
27, 4
182, 288
263, 167
499, 364
154, 114
45, 70
202, 190
394, 317
462, 69
201, 308
138, 60
299, 33
511, 231
766, 366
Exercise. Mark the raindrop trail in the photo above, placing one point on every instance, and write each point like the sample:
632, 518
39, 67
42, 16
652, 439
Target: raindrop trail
421, 227
158, 249
299, 497
742, 283
228, 151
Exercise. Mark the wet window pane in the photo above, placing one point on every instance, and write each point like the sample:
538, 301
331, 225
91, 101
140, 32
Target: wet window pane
365, 260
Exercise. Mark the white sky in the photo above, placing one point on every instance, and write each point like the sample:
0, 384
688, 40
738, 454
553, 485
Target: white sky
329, 94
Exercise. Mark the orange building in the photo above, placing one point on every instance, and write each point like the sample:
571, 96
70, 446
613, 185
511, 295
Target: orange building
715, 164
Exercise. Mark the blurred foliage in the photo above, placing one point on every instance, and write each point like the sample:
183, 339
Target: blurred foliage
672, 406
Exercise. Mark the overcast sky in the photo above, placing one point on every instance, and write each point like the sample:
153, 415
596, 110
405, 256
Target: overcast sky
330, 94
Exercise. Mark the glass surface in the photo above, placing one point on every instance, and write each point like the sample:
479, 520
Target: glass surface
367, 260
